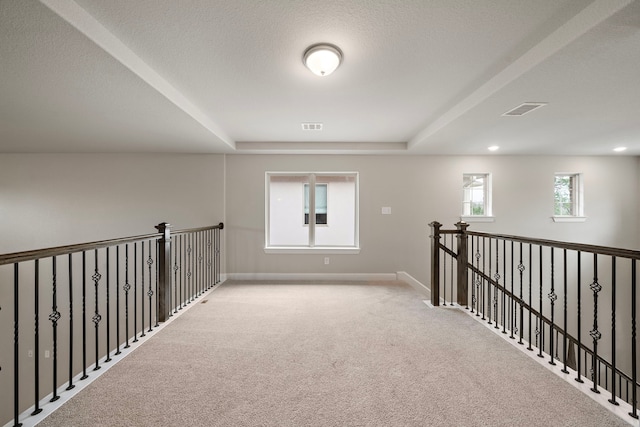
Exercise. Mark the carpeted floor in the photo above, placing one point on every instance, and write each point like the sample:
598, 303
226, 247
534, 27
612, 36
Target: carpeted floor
324, 354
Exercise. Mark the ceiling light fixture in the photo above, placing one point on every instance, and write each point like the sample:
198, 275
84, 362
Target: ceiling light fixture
493, 148
619, 149
322, 59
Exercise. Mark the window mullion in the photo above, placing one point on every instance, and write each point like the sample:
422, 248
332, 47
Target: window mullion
312, 210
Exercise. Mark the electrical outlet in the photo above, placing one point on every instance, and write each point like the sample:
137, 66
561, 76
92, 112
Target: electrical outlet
30, 353
386, 210
326, 260
46, 354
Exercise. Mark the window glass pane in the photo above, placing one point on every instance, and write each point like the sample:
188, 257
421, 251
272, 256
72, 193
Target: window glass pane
474, 192
340, 192
286, 225
564, 195
321, 204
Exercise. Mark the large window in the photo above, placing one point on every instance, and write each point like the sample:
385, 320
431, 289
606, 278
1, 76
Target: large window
476, 195
311, 211
567, 195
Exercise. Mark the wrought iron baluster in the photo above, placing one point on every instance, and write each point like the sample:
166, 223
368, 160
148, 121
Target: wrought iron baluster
579, 314
530, 294
142, 261
16, 346
540, 322
521, 269
36, 287
150, 290
484, 268
54, 317
613, 332
497, 285
96, 316
511, 302
489, 285
552, 298
452, 279
634, 378
444, 275
168, 296
209, 258
135, 292
474, 275
126, 289
504, 287
84, 316
71, 385
564, 311
117, 300
108, 341
175, 250
189, 272
595, 334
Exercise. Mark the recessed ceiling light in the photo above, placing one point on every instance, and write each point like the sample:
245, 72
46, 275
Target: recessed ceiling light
619, 149
493, 148
322, 59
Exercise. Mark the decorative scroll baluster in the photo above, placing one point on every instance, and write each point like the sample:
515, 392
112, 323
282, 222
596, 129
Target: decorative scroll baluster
36, 348
595, 334
157, 284
150, 291
96, 315
189, 272
521, 269
71, 385
474, 276
142, 260
552, 298
126, 289
209, 258
511, 302
108, 359
613, 332
117, 300
54, 317
200, 265
504, 287
484, 268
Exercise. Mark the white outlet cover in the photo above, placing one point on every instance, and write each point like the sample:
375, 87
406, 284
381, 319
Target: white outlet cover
386, 210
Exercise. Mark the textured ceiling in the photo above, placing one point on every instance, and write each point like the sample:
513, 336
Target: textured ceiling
422, 76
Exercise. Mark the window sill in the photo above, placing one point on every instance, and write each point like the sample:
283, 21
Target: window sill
569, 218
317, 250
477, 218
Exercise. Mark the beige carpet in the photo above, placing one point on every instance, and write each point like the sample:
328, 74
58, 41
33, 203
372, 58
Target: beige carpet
354, 354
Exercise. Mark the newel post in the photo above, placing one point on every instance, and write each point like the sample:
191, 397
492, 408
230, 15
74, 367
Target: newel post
164, 272
435, 263
463, 251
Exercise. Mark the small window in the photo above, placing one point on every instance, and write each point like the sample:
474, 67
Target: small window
476, 196
567, 194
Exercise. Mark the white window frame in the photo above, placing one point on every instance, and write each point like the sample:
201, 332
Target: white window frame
577, 198
488, 205
312, 248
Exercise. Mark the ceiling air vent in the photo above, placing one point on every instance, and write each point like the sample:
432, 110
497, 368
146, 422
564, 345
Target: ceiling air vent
311, 126
525, 108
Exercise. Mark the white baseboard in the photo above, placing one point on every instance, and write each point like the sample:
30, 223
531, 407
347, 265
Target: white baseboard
414, 283
362, 277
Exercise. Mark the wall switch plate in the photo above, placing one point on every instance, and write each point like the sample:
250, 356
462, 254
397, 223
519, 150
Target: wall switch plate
30, 353
47, 354
326, 260
386, 210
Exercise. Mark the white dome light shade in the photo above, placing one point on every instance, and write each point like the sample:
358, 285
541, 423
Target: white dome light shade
322, 59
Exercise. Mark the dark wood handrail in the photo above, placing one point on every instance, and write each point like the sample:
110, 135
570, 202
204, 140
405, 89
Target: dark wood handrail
601, 250
15, 257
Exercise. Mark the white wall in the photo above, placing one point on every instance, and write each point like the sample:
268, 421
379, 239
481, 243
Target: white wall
420, 189
58, 199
